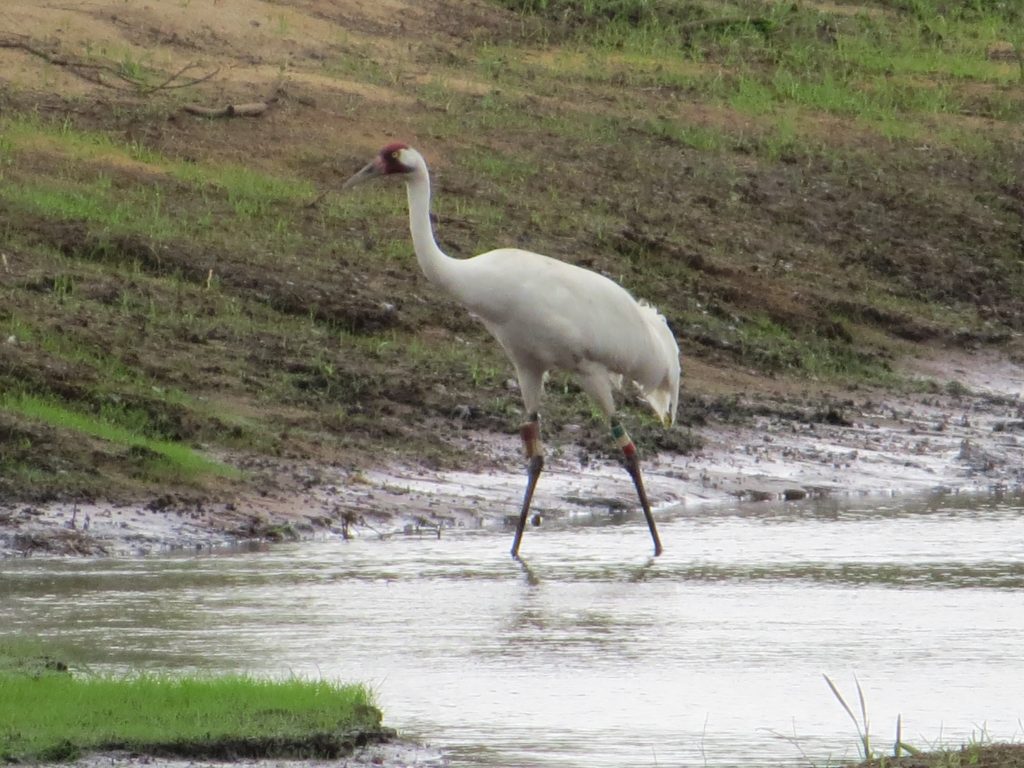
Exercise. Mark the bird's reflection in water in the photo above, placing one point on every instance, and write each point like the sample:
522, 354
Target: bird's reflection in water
641, 573
531, 576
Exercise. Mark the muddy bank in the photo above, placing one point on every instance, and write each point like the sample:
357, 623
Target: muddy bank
203, 281
392, 753
965, 435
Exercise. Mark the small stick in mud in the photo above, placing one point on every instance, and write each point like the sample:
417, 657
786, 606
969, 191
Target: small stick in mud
250, 109
94, 71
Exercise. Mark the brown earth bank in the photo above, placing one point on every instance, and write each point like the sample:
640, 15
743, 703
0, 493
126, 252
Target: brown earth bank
409, 755
395, 753
968, 438
359, 401
848, 304
980, 755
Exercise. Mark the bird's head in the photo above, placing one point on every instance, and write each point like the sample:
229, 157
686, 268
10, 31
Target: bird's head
394, 160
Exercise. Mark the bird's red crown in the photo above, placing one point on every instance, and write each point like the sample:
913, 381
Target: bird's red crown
390, 158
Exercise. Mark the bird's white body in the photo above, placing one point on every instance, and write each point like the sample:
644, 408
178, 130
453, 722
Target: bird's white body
548, 314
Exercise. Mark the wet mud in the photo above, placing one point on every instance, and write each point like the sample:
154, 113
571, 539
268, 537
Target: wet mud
967, 441
367, 755
762, 438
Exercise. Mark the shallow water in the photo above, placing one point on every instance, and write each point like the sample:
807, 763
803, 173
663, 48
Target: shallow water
595, 654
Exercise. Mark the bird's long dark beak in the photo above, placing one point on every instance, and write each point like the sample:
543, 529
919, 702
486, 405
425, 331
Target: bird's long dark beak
369, 171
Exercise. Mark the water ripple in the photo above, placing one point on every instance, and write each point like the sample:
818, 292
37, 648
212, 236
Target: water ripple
591, 652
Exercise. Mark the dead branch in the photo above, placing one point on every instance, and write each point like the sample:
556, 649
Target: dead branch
251, 109
94, 71
169, 83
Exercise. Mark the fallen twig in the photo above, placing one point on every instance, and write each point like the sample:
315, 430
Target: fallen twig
94, 71
169, 83
250, 109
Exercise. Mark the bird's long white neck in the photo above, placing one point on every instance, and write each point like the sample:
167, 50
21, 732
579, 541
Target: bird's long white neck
436, 265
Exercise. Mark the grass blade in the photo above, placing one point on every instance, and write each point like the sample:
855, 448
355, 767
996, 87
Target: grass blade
839, 696
864, 714
865, 742
896, 748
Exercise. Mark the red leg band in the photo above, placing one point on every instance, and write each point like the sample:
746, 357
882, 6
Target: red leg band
530, 433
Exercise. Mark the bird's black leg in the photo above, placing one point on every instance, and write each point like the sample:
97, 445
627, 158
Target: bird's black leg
530, 432
632, 462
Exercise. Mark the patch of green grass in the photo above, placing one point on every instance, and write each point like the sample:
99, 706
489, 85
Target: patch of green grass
96, 203
495, 112
74, 191
51, 715
484, 368
252, 194
360, 63
767, 345
375, 203
27, 131
697, 137
766, 159
889, 71
499, 166
164, 459
980, 750
119, 380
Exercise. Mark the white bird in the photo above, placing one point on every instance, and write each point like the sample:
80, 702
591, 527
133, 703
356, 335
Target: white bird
548, 314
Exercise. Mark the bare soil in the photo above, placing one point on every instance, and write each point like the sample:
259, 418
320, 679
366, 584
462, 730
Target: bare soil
788, 447
801, 249
394, 753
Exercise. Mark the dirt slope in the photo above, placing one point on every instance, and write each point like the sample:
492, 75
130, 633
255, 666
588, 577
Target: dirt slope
825, 288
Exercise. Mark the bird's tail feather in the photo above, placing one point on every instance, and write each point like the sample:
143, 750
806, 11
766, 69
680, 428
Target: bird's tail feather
661, 391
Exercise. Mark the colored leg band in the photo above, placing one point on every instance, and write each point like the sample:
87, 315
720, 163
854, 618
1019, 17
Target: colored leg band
530, 432
622, 439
